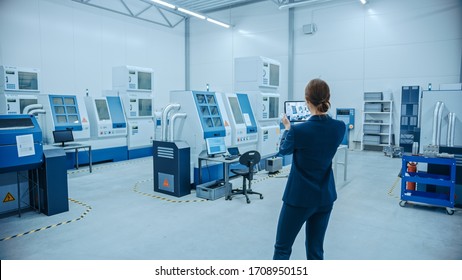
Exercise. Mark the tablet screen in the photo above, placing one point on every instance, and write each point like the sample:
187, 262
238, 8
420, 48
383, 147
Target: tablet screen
296, 111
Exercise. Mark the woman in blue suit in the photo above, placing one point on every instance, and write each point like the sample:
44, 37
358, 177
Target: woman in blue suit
310, 191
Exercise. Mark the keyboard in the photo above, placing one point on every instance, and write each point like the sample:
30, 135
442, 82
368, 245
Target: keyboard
231, 157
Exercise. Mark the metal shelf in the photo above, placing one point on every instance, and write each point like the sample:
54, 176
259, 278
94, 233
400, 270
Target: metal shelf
384, 136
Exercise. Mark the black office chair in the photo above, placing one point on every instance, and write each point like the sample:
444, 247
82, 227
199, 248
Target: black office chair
249, 159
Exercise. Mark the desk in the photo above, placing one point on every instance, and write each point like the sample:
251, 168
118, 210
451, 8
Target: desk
219, 159
335, 162
76, 147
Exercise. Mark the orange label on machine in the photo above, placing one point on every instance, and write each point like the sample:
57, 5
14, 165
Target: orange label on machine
8, 198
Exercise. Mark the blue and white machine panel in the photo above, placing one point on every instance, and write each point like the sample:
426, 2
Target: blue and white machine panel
21, 145
247, 113
209, 114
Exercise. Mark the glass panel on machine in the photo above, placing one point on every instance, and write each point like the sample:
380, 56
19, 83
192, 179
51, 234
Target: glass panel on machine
59, 110
236, 110
71, 110
208, 122
26, 102
61, 119
273, 107
274, 75
57, 101
217, 122
102, 109
200, 98
211, 99
145, 107
69, 100
144, 80
205, 111
214, 110
9, 123
73, 119
28, 80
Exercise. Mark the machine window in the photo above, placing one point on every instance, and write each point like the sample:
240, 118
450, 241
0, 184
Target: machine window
217, 122
273, 107
200, 98
59, 110
145, 107
208, 122
57, 101
214, 110
71, 110
236, 109
211, 99
205, 111
61, 119
73, 119
69, 100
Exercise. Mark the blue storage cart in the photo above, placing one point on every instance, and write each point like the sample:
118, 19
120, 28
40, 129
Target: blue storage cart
442, 199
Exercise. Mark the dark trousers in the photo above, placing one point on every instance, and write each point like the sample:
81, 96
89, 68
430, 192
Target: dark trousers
291, 220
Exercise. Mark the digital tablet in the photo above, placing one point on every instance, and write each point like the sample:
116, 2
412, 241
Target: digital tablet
296, 111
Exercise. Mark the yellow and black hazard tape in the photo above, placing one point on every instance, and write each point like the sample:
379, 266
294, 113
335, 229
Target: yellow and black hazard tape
87, 210
137, 184
279, 174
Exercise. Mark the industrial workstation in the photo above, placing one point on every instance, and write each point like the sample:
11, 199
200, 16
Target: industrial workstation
151, 130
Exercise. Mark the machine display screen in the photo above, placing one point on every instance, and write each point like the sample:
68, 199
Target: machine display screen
215, 145
62, 136
102, 109
144, 80
28, 80
237, 113
274, 75
145, 107
296, 111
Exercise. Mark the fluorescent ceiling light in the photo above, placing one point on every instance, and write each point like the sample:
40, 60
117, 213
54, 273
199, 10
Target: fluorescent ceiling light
218, 22
164, 4
363, 2
301, 3
191, 13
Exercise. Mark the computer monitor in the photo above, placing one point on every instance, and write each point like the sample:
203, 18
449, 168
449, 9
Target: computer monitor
62, 136
296, 111
215, 146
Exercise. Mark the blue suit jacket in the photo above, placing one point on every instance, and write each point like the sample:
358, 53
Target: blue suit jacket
313, 145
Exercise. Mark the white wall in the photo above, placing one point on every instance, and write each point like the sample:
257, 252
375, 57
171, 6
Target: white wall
259, 30
75, 46
381, 46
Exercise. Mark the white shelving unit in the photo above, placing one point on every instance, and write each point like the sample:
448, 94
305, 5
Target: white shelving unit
377, 130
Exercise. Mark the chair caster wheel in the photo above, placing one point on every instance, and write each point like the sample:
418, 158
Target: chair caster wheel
261, 196
248, 201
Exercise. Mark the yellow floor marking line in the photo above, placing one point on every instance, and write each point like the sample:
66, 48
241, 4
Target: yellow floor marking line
137, 184
87, 210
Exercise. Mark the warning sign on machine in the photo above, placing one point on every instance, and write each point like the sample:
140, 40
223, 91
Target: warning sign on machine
8, 198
